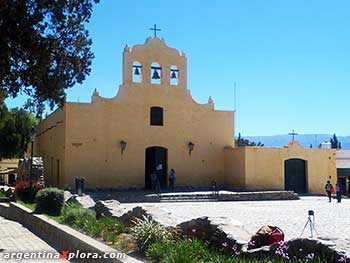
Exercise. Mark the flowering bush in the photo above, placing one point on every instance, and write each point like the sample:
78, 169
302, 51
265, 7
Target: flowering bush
343, 259
25, 193
282, 250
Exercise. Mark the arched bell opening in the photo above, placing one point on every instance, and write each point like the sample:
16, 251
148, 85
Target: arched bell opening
174, 75
156, 73
136, 72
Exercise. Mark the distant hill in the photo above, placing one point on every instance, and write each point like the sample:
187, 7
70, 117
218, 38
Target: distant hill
305, 139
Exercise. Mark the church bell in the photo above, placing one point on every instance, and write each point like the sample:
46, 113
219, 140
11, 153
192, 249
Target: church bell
173, 75
137, 72
155, 75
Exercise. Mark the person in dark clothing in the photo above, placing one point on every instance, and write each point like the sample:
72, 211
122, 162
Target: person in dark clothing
328, 188
172, 179
339, 191
215, 189
159, 171
153, 180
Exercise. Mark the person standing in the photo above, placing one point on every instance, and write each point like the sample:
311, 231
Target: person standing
328, 188
153, 180
215, 189
339, 191
159, 172
172, 179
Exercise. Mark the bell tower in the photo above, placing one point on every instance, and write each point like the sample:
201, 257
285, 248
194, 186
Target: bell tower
154, 63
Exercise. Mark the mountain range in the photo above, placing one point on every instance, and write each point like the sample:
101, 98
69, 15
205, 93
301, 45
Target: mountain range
304, 139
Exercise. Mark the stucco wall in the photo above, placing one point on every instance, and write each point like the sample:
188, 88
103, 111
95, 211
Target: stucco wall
50, 145
264, 166
234, 161
95, 130
264, 169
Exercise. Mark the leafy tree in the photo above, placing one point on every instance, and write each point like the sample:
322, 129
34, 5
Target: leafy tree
2, 104
241, 142
44, 48
15, 130
335, 143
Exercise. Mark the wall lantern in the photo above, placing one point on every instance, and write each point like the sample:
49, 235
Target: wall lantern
190, 147
123, 146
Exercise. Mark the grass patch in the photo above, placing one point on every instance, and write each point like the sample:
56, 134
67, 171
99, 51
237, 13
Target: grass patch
31, 206
194, 251
2, 195
84, 220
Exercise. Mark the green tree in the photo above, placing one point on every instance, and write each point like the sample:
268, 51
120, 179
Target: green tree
15, 130
2, 104
44, 48
241, 142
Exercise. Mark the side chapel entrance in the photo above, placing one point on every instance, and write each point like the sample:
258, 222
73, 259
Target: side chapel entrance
295, 176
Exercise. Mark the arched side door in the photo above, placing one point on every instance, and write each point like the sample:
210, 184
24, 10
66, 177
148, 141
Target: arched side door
295, 176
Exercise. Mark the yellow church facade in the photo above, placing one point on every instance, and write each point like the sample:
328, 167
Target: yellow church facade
113, 142
153, 124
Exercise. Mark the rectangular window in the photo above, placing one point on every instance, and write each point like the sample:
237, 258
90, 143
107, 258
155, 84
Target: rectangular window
156, 116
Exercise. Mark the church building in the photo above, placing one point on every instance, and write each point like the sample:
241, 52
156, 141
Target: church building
154, 123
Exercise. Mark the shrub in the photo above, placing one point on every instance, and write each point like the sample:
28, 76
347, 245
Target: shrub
146, 232
25, 193
189, 251
89, 225
194, 251
85, 220
111, 228
72, 213
126, 243
49, 201
81, 219
8, 192
158, 250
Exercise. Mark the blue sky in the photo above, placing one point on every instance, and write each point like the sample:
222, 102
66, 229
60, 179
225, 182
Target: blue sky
290, 59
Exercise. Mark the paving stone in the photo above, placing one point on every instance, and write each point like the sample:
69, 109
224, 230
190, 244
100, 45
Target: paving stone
331, 219
16, 238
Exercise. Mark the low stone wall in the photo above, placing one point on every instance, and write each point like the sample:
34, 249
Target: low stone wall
258, 196
59, 236
196, 195
4, 200
4, 207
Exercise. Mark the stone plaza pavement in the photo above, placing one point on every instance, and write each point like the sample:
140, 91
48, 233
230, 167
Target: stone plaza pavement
331, 219
16, 238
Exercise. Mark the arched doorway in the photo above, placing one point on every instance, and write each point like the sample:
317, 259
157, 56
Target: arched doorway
156, 156
295, 176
